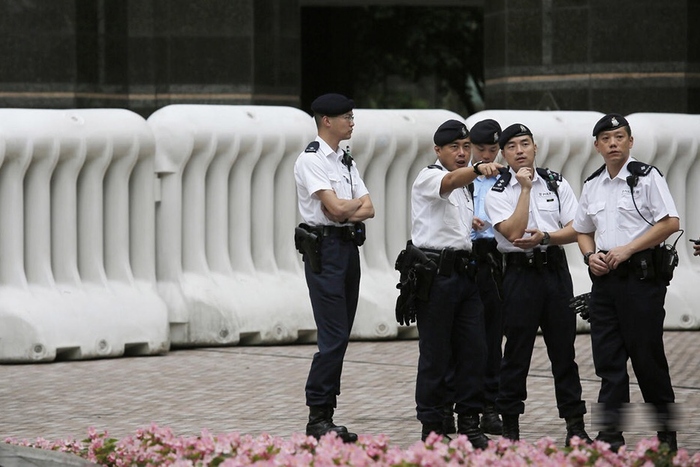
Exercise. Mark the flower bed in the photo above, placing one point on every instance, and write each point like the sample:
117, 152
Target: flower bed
156, 446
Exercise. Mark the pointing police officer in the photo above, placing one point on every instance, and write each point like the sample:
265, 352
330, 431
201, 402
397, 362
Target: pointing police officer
333, 203
450, 322
626, 212
532, 211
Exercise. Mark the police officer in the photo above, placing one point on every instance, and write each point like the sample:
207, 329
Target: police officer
451, 322
333, 202
484, 146
532, 211
626, 212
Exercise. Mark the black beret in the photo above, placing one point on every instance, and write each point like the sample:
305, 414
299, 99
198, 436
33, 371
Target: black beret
332, 105
449, 131
516, 129
609, 122
485, 132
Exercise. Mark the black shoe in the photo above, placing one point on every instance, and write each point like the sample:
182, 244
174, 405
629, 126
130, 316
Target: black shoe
669, 439
613, 438
321, 423
511, 427
436, 427
469, 425
448, 421
490, 422
576, 427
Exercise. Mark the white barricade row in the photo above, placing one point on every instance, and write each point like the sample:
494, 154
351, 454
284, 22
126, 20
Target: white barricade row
77, 236
120, 235
226, 261
668, 141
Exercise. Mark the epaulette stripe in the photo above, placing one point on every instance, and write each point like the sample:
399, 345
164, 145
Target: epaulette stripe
312, 147
596, 173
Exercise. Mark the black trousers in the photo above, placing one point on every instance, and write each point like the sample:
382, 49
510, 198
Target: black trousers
539, 298
450, 327
493, 320
334, 295
627, 319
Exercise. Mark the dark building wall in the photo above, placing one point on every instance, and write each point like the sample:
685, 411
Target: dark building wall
145, 54
625, 56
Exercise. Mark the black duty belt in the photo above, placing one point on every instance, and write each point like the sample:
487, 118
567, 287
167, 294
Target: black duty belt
538, 258
346, 232
451, 261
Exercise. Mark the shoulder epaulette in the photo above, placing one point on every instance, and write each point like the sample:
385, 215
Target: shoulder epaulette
640, 169
596, 173
312, 147
551, 177
503, 180
435, 166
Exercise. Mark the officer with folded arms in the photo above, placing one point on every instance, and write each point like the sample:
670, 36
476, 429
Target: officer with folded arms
451, 321
532, 210
625, 213
333, 203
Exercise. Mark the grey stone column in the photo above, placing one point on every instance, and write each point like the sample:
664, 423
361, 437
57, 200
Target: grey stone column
624, 56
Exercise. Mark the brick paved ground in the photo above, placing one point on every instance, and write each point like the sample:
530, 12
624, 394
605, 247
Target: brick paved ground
261, 389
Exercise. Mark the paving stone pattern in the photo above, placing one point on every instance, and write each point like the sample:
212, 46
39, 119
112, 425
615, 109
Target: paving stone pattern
261, 389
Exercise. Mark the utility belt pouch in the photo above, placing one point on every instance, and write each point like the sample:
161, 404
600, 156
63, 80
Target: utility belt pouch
360, 233
307, 241
642, 264
666, 261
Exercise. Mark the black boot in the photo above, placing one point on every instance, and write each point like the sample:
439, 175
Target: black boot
469, 425
511, 428
490, 422
576, 427
613, 438
448, 422
433, 427
668, 438
321, 422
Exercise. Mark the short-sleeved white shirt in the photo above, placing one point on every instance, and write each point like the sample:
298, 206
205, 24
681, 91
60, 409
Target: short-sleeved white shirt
440, 222
545, 214
606, 207
324, 170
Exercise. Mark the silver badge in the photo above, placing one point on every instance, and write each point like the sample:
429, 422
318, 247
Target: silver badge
614, 122
495, 137
523, 129
464, 132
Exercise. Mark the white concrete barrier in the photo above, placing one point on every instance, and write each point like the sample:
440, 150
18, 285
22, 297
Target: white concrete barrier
227, 266
77, 250
668, 141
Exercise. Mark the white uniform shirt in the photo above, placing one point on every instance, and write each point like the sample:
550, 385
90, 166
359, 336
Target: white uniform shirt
440, 222
544, 207
324, 170
606, 207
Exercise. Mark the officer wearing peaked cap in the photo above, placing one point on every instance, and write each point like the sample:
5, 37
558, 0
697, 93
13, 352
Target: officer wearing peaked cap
484, 137
532, 211
625, 214
450, 322
333, 203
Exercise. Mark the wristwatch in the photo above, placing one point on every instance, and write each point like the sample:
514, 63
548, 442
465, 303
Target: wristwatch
545, 239
476, 168
587, 257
